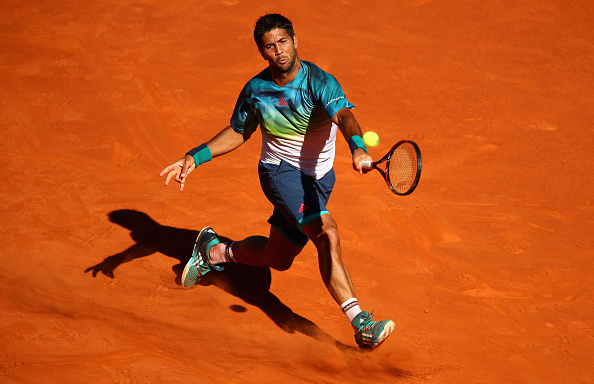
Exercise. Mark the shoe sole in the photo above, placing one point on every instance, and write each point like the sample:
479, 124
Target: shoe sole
187, 270
195, 255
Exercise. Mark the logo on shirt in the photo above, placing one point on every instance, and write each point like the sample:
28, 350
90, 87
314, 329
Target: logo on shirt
333, 100
282, 101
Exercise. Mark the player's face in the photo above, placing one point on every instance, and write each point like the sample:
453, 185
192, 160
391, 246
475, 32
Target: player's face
280, 50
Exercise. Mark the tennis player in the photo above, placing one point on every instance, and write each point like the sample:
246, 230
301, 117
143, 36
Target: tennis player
299, 109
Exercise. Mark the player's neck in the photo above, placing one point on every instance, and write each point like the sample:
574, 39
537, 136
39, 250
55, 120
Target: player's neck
283, 78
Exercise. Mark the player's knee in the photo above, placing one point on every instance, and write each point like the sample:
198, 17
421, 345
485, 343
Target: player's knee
332, 234
281, 256
321, 230
328, 236
282, 264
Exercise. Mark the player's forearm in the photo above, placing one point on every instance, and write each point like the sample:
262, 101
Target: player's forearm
352, 134
347, 123
226, 141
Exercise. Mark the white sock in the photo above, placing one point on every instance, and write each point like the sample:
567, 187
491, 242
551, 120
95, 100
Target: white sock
350, 308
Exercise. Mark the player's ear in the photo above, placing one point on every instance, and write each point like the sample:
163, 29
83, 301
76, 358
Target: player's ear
260, 50
295, 41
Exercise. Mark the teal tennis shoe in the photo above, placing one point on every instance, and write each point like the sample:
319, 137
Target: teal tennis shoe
199, 265
370, 334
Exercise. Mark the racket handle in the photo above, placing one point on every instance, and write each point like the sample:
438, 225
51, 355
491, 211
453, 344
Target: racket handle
367, 164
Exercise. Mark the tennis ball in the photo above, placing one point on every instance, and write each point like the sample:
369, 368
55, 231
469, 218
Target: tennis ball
371, 139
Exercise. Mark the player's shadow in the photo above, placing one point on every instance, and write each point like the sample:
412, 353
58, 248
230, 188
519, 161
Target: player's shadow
250, 284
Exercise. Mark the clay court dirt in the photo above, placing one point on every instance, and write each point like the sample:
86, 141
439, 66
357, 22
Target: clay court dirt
486, 269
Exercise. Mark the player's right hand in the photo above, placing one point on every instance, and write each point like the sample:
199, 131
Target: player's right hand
360, 155
179, 170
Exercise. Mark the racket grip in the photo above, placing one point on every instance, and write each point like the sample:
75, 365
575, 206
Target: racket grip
367, 164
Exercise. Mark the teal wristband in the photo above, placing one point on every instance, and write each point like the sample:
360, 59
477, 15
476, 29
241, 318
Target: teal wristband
356, 142
201, 154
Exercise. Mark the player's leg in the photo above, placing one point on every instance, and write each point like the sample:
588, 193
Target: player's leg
282, 185
274, 251
323, 232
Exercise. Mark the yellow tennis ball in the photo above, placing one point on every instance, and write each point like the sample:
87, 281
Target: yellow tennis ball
371, 139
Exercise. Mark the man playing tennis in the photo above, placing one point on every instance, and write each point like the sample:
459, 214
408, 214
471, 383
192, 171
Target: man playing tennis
299, 109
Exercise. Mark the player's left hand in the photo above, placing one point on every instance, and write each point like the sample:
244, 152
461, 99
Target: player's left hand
181, 169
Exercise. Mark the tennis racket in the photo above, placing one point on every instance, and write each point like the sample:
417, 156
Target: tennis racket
402, 169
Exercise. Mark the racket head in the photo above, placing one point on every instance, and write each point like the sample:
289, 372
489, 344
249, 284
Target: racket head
403, 167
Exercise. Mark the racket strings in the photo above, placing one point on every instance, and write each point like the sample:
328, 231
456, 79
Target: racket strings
403, 168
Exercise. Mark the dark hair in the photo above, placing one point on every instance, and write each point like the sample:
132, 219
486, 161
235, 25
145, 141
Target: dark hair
269, 22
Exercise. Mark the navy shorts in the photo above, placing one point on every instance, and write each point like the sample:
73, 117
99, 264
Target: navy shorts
297, 198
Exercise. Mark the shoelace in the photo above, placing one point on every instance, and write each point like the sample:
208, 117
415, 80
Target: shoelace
365, 321
199, 262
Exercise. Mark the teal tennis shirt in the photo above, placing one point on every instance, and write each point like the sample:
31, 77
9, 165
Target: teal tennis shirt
295, 120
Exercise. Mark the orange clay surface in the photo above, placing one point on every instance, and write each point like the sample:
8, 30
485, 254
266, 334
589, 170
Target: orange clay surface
486, 269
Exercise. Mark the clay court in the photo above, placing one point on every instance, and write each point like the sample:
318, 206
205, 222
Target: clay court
486, 269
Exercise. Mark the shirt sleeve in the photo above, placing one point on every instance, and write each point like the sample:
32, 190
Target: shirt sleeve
244, 118
331, 95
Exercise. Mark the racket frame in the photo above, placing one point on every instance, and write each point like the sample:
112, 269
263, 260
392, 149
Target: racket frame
386, 171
